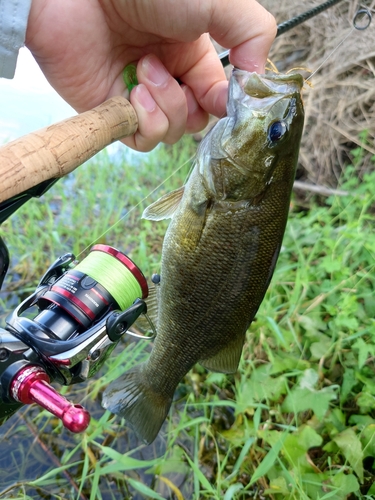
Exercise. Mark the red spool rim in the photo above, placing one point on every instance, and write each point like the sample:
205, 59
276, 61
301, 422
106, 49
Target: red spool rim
133, 268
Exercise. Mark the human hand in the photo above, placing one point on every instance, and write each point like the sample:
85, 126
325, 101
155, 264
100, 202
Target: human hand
83, 47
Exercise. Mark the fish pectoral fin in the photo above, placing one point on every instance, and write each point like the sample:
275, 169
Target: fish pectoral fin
193, 223
141, 325
164, 207
132, 397
227, 359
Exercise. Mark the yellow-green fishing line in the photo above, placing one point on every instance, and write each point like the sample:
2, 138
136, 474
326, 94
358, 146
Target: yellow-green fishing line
114, 276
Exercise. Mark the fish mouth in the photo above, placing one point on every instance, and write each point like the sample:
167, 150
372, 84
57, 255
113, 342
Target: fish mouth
258, 93
262, 86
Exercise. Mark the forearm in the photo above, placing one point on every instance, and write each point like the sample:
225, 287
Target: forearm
13, 23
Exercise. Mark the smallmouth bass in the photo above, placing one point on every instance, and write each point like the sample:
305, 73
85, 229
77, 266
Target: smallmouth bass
222, 244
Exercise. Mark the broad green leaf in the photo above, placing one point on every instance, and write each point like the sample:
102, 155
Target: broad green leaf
347, 483
351, 448
321, 348
306, 399
216, 378
285, 363
270, 437
313, 324
309, 379
261, 386
346, 322
236, 435
369, 302
368, 381
317, 486
363, 351
331, 447
366, 402
349, 381
278, 486
335, 422
368, 440
173, 462
308, 437
330, 264
296, 446
361, 420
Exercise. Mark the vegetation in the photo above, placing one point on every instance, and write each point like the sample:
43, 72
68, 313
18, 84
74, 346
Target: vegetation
296, 422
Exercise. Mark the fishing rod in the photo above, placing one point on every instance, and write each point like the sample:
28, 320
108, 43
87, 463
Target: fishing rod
288, 25
82, 309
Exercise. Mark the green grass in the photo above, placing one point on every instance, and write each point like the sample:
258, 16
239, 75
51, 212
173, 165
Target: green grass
298, 419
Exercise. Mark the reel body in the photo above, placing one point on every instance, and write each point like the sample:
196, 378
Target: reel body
66, 330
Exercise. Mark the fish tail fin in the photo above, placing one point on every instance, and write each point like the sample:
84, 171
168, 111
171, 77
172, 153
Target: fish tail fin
132, 397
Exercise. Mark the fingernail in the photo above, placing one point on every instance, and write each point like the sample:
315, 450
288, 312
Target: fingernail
220, 101
154, 70
144, 97
191, 102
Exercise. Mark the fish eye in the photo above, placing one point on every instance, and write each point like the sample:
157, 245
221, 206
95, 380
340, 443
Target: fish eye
276, 131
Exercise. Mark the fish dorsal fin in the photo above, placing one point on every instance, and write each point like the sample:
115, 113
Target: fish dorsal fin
164, 207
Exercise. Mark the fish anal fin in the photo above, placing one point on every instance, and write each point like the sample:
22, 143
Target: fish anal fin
164, 207
132, 397
227, 359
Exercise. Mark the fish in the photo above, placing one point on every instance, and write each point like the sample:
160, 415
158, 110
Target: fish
221, 246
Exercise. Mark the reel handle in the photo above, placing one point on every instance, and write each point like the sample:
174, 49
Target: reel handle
54, 151
31, 385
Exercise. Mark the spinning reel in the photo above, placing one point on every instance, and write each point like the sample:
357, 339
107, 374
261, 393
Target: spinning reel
66, 329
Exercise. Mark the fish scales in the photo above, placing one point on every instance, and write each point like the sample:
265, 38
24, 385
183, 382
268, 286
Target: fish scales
222, 244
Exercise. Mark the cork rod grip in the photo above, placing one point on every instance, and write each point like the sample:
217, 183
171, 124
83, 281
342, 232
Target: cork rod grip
56, 150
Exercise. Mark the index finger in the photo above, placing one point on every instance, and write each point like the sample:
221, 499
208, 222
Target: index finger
246, 28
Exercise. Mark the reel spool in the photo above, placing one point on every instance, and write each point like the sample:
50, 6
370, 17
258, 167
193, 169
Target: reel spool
105, 280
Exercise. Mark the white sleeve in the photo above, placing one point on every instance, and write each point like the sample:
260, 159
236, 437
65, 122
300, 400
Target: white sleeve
13, 23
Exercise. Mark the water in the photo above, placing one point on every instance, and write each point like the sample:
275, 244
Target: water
28, 102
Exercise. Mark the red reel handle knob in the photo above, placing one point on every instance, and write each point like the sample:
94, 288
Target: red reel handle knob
31, 385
